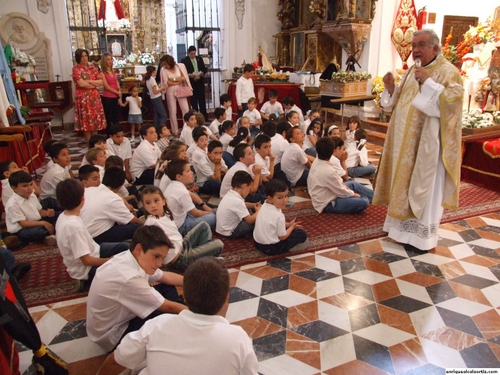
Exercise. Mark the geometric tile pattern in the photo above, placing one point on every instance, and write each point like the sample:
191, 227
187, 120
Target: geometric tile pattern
368, 308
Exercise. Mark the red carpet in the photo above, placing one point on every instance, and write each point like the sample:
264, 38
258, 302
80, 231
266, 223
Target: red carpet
49, 282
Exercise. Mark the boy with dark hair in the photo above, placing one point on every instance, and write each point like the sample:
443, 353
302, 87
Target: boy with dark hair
96, 141
7, 167
254, 117
89, 175
199, 329
145, 157
233, 218
200, 152
97, 158
264, 157
210, 170
119, 145
220, 117
328, 192
104, 213
272, 107
295, 162
186, 215
81, 254
339, 157
244, 88
24, 213
279, 142
289, 106
197, 132
190, 123
226, 102
272, 234
57, 173
121, 299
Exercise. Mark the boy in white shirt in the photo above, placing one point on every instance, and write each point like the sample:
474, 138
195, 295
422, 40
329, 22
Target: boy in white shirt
289, 105
339, 157
89, 176
7, 167
226, 103
295, 162
97, 158
210, 170
81, 254
264, 157
244, 88
254, 116
328, 192
197, 330
95, 141
57, 173
220, 117
104, 213
279, 143
190, 123
121, 299
357, 160
119, 145
145, 157
201, 140
272, 107
272, 234
24, 213
186, 215
233, 218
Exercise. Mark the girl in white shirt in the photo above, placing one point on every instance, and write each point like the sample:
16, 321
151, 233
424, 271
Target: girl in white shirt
134, 113
313, 133
311, 115
227, 132
196, 244
354, 123
357, 160
155, 92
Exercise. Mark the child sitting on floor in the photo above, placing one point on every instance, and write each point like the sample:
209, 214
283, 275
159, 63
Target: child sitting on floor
227, 131
196, 244
176, 150
57, 173
7, 167
220, 117
89, 175
145, 157
120, 146
357, 156
272, 234
190, 123
163, 137
95, 141
210, 170
289, 105
200, 152
97, 158
353, 125
254, 116
295, 163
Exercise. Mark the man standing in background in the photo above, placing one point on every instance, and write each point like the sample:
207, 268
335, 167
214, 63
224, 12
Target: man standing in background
196, 69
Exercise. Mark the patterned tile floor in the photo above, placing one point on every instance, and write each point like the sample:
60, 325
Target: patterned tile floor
366, 308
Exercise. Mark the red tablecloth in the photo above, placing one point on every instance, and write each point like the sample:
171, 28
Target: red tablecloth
481, 163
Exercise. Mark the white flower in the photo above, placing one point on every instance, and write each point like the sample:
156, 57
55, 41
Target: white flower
146, 58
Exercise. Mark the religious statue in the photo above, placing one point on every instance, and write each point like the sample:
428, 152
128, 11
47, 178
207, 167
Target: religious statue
44, 5
19, 35
491, 97
239, 11
116, 48
286, 14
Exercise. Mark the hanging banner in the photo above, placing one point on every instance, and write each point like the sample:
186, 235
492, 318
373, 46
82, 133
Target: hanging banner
405, 25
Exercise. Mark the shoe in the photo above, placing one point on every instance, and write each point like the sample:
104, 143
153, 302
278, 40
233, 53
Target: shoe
21, 270
50, 240
11, 242
413, 249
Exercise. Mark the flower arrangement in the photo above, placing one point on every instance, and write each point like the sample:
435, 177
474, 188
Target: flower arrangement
350, 76
21, 58
482, 33
122, 24
377, 88
146, 58
132, 58
448, 50
119, 64
475, 119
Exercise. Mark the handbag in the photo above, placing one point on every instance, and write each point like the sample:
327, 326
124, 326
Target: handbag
184, 90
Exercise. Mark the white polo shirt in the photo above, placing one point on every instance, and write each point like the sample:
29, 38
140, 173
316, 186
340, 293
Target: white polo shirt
170, 229
189, 343
186, 135
179, 201
230, 212
269, 225
123, 150
19, 208
264, 163
205, 169
74, 241
225, 139
145, 155
119, 292
337, 165
226, 181
198, 155
293, 162
102, 209
214, 127
189, 152
51, 178
253, 116
268, 108
278, 146
356, 157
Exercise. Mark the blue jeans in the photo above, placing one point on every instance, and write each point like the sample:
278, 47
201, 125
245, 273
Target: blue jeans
197, 244
228, 159
302, 181
33, 234
296, 237
361, 171
254, 131
190, 222
351, 205
160, 115
311, 151
211, 187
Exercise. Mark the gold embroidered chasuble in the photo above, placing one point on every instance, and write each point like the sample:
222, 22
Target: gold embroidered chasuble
415, 141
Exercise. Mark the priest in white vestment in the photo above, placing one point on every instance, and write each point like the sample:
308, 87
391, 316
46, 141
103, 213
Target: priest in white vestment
419, 172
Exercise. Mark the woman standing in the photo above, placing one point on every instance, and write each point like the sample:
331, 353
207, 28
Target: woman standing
111, 92
89, 114
173, 75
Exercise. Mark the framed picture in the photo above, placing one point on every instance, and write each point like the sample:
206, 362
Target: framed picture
116, 45
59, 94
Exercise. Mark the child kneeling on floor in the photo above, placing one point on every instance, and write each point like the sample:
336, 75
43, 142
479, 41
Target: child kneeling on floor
81, 254
197, 243
272, 234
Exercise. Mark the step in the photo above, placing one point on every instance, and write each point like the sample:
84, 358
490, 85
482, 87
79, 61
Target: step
375, 125
375, 137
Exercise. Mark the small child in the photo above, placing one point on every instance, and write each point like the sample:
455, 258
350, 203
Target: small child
220, 117
201, 124
128, 192
196, 244
289, 105
163, 137
210, 169
254, 116
295, 162
7, 167
96, 141
279, 142
311, 115
24, 213
339, 157
293, 118
120, 146
176, 150
272, 234
46, 147
155, 93
332, 131
313, 133
264, 157
134, 112
201, 140
226, 103
81, 254
272, 106
89, 175
227, 132
186, 215
233, 218
354, 123
58, 172
244, 88
357, 160
242, 136
190, 123
97, 158
145, 157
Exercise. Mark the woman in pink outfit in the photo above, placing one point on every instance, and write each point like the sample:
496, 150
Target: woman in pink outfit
111, 92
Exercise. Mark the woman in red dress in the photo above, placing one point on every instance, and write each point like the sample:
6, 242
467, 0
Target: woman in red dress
89, 114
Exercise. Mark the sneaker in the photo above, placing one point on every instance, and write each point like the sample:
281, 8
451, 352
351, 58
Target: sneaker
50, 240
